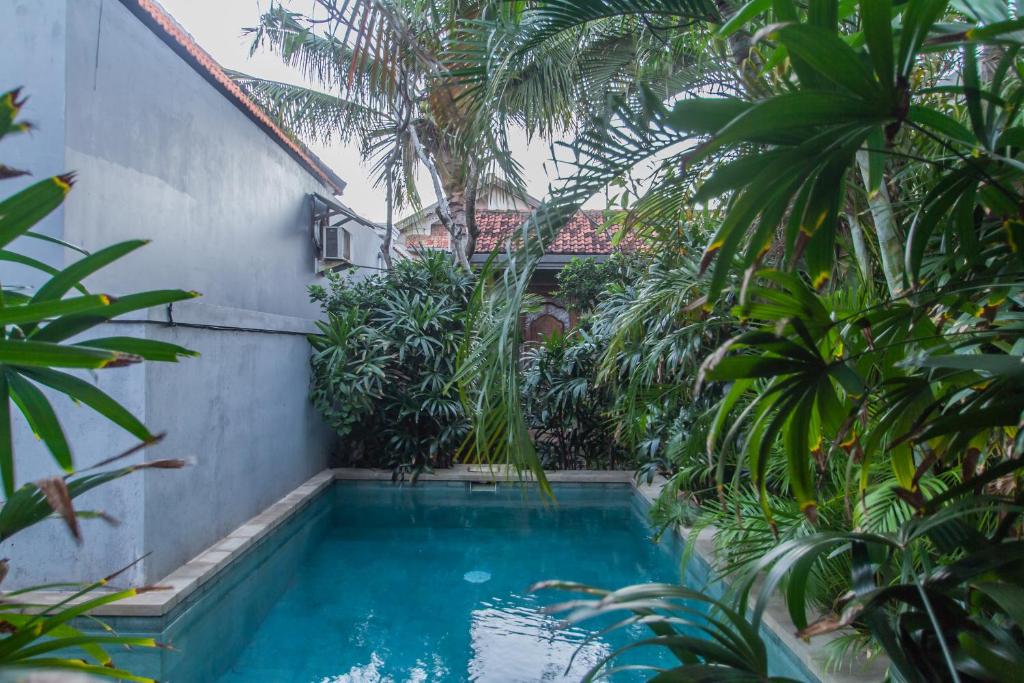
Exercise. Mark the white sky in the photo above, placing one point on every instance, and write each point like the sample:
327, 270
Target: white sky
217, 26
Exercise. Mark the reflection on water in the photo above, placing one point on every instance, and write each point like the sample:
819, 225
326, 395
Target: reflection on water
514, 641
374, 673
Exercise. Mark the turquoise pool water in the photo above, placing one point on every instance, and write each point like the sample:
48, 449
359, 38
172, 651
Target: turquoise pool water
375, 584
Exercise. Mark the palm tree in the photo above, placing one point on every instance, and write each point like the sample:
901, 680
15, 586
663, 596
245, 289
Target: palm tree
376, 67
438, 85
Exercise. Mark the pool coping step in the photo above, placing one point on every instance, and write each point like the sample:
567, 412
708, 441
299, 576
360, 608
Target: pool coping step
491, 473
170, 591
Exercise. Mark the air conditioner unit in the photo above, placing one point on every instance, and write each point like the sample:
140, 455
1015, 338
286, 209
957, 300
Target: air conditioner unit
336, 244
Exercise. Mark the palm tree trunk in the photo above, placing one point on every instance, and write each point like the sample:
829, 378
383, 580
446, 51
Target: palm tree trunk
389, 227
472, 230
444, 202
457, 209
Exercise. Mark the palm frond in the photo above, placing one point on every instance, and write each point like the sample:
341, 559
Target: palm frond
312, 114
489, 373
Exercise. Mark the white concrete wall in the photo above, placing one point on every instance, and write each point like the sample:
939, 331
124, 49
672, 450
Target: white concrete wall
161, 154
242, 411
34, 34
490, 197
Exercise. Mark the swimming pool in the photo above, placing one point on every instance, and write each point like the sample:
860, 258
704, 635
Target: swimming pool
374, 583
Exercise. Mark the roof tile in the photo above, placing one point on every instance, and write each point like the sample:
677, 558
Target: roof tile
583, 234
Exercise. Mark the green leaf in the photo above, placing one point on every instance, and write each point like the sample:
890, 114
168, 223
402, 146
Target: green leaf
823, 14
53, 240
935, 208
785, 10
822, 211
771, 186
71, 276
144, 348
797, 111
876, 22
796, 591
737, 173
750, 367
35, 313
45, 354
80, 667
92, 396
31, 205
35, 264
796, 436
6, 443
972, 93
68, 326
995, 30
823, 51
941, 123
41, 418
918, 19
28, 505
704, 116
999, 365
10, 107
743, 16
1006, 597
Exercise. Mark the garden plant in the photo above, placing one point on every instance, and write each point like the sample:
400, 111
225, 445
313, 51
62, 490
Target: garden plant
384, 362
48, 335
854, 387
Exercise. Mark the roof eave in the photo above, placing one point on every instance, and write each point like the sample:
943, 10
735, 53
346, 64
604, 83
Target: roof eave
150, 14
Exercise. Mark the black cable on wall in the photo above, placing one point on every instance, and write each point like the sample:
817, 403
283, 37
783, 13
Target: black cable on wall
170, 322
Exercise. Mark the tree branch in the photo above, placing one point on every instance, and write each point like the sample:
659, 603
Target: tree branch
472, 183
442, 201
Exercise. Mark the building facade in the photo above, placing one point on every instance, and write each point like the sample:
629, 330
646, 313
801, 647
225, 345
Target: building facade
165, 147
499, 213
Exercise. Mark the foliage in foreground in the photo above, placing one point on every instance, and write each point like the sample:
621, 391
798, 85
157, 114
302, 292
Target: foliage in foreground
35, 352
863, 426
398, 77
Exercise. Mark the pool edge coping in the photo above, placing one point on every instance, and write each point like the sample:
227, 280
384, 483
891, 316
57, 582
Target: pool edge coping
775, 618
204, 567
173, 589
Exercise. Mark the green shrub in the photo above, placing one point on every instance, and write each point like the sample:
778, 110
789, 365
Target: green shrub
568, 413
583, 282
867, 438
384, 361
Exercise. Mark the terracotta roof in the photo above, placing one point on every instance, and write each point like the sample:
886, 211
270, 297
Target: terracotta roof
437, 239
582, 235
174, 34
